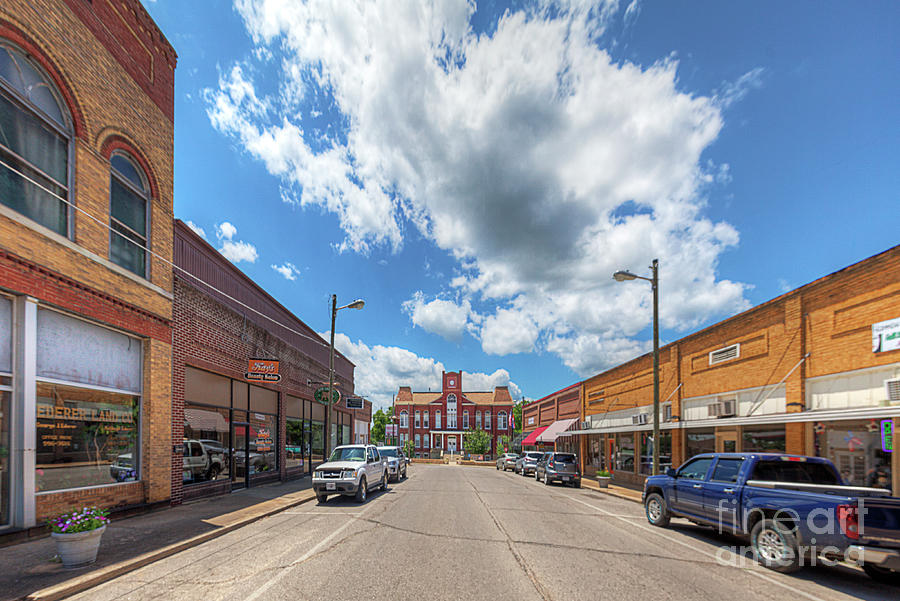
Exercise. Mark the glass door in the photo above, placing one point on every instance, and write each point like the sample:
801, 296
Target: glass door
240, 455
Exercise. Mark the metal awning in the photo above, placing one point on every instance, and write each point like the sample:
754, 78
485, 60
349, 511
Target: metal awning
531, 439
552, 432
208, 421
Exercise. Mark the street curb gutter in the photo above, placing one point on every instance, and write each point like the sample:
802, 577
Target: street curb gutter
613, 493
81, 583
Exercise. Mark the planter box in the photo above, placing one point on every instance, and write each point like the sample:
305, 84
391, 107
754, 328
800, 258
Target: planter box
78, 548
603, 481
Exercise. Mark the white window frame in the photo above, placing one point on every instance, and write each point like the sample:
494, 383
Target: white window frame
425, 418
501, 421
418, 442
437, 419
418, 419
404, 419
487, 420
478, 420
465, 420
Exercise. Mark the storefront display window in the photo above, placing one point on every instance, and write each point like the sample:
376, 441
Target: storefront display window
665, 452
699, 440
764, 440
294, 448
262, 454
206, 454
855, 448
85, 437
624, 459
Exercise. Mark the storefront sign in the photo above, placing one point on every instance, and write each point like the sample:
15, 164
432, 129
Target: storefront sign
322, 393
263, 370
887, 436
886, 335
354, 402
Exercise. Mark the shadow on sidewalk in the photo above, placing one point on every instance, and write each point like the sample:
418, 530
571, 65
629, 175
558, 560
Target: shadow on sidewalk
30, 566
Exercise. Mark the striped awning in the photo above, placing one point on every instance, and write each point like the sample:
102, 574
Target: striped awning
531, 439
555, 429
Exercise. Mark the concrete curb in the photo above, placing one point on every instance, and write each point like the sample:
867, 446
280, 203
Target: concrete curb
634, 497
86, 581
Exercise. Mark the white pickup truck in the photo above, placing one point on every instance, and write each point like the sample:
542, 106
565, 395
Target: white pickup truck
351, 470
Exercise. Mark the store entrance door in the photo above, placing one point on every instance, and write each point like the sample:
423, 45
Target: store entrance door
726, 442
240, 455
451, 445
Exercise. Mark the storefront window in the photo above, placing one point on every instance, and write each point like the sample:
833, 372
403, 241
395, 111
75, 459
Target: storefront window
206, 453
293, 444
855, 449
5, 395
625, 452
594, 458
699, 440
767, 440
85, 437
317, 436
665, 452
263, 457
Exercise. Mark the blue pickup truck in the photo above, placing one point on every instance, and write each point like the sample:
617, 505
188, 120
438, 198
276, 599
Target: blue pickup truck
794, 509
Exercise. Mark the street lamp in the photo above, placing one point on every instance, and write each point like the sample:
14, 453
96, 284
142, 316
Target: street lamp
622, 276
357, 304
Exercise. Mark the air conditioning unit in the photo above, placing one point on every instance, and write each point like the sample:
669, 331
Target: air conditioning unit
722, 408
892, 388
639, 420
586, 424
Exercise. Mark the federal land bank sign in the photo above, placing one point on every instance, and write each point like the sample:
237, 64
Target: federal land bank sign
886, 335
263, 370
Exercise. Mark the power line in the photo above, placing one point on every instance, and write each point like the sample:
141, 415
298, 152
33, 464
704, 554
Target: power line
318, 341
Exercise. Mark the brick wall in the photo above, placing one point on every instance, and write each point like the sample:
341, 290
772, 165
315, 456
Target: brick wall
116, 495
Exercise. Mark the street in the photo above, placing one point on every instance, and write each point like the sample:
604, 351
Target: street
471, 533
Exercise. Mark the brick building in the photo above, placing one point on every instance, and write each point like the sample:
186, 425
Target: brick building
814, 371
436, 421
234, 430
86, 143
546, 422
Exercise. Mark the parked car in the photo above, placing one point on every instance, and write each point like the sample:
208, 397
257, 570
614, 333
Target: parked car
506, 461
351, 470
396, 462
558, 467
259, 461
123, 469
527, 461
786, 505
201, 462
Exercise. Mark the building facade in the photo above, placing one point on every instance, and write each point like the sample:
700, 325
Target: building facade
236, 428
815, 371
436, 421
546, 422
86, 144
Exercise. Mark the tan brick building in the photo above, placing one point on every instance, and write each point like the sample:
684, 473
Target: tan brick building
86, 144
815, 371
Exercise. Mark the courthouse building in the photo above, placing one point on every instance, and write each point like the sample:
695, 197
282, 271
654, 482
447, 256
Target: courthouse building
436, 421
815, 371
86, 144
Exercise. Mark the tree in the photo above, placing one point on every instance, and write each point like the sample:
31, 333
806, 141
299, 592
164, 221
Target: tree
502, 444
379, 420
476, 442
409, 448
517, 416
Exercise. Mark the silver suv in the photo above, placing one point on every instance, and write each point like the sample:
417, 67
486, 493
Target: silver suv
396, 462
507, 461
527, 462
351, 470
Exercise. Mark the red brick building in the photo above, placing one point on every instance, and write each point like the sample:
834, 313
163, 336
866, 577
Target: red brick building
86, 95
546, 421
436, 421
231, 430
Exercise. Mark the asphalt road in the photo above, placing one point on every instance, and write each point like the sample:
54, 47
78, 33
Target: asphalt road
474, 533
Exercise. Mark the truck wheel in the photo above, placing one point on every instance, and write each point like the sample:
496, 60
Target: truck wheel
655, 510
546, 480
403, 475
775, 547
883, 575
320, 498
361, 491
384, 479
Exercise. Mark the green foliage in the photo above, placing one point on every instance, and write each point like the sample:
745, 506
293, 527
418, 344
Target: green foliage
89, 518
379, 420
604, 474
502, 445
476, 442
409, 448
517, 416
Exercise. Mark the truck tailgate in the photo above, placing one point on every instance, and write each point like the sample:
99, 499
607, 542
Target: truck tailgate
880, 525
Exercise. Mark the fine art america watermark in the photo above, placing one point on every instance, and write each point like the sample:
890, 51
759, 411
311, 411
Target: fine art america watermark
821, 538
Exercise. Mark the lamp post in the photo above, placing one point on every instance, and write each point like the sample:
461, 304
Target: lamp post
357, 304
621, 276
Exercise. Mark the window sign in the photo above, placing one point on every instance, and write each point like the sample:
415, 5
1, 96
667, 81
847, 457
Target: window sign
886, 335
887, 436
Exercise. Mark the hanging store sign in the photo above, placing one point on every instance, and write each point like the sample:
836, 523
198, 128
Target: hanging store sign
354, 402
886, 335
887, 436
263, 370
321, 395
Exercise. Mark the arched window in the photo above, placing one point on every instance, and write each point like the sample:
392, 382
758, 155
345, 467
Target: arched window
487, 419
418, 421
501, 420
478, 420
437, 420
404, 419
129, 197
465, 420
35, 131
451, 411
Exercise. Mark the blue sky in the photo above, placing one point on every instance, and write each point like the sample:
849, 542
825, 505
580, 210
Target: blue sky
476, 173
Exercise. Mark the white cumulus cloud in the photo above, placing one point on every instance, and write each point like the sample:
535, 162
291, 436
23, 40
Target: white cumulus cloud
197, 229
287, 270
234, 250
526, 153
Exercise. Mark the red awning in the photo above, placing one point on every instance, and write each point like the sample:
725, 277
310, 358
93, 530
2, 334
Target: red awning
531, 439
240, 430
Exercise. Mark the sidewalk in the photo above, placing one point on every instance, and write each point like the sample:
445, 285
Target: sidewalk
28, 571
613, 490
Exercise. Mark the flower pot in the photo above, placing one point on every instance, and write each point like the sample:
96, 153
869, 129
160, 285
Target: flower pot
603, 481
78, 548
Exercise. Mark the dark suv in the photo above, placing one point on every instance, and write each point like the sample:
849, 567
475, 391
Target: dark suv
558, 467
